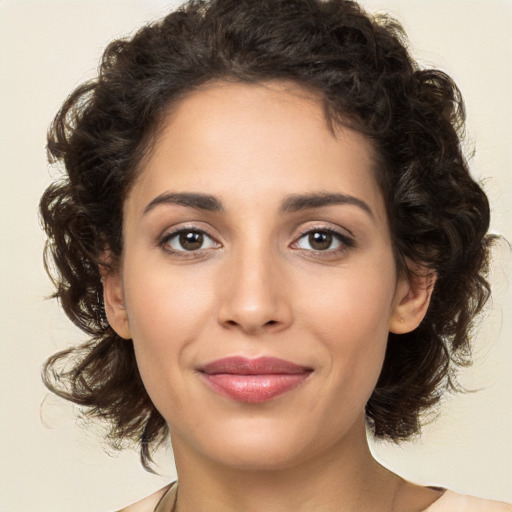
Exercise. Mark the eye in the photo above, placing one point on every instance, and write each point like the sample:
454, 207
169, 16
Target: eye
323, 240
188, 240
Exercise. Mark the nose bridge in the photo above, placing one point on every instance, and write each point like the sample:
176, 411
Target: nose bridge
252, 297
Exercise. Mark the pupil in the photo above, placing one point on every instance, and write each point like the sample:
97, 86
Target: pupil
320, 241
191, 240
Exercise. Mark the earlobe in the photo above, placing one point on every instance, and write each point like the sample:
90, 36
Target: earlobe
412, 300
113, 297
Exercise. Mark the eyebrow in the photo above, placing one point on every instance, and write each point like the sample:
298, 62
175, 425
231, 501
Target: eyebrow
299, 202
293, 203
192, 200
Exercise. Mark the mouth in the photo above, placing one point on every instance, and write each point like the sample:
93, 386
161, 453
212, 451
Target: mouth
253, 380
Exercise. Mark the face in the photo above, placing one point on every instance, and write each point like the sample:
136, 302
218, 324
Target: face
258, 281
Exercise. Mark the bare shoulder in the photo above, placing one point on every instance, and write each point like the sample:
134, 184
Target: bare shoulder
147, 504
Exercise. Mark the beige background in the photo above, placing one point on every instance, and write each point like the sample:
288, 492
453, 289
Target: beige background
49, 464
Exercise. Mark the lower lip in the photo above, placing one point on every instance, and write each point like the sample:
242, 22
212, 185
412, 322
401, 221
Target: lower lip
254, 388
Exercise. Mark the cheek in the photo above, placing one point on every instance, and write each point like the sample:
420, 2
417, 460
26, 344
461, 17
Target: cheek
166, 312
349, 314
166, 305
349, 303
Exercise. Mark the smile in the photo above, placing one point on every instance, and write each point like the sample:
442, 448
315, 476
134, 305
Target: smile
253, 380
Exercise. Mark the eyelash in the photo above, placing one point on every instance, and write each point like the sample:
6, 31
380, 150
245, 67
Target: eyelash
164, 241
346, 242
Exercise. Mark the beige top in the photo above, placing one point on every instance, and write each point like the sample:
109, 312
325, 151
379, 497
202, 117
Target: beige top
450, 501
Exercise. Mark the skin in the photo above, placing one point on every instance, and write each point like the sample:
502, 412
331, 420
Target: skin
258, 286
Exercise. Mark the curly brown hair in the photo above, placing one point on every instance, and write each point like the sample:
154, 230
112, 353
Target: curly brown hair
360, 67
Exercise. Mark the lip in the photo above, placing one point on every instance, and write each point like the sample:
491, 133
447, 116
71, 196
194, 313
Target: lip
253, 380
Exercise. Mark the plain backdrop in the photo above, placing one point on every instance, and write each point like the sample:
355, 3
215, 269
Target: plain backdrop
47, 462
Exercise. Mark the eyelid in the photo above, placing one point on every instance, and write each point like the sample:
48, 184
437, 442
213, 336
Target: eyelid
163, 240
347, 240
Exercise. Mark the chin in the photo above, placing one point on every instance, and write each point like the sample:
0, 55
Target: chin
262, 444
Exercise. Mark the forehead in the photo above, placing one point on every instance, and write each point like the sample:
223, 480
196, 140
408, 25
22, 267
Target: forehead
255, 141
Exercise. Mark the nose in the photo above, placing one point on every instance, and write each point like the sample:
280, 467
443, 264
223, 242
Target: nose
254, 297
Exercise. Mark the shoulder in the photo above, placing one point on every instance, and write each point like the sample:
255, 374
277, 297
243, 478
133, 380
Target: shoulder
452, 501
149, 503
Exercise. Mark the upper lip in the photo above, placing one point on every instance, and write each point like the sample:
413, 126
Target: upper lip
238, 365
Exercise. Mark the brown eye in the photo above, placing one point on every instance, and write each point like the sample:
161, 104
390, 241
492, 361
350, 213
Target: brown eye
188, 240
323, 240
191, 240
320, 240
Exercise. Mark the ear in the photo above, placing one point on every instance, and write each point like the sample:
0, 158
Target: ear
113, 297
412, 299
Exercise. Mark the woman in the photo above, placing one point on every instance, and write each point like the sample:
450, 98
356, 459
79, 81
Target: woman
272, 201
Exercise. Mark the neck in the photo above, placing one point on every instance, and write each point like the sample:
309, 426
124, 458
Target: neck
343, 477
